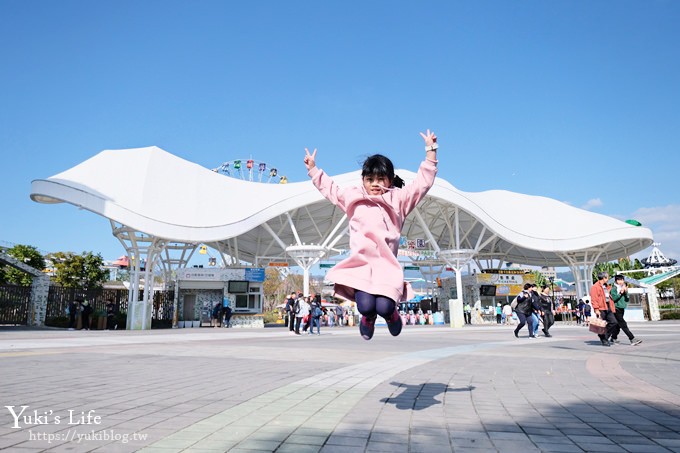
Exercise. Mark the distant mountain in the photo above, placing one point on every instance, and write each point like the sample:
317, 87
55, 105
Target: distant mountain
566, 276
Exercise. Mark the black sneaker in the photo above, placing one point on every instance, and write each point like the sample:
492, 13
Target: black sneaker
615, 341
367, 327
394, 324
605, 343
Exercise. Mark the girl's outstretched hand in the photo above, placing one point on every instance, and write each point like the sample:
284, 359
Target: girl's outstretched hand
429, 138
309, 159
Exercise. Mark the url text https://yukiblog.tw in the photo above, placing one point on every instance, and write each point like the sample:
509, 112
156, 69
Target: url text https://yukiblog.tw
72, 435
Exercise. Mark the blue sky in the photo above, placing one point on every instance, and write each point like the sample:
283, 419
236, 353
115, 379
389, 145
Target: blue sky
574, 100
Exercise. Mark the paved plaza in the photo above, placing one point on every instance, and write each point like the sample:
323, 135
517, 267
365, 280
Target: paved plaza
432, 389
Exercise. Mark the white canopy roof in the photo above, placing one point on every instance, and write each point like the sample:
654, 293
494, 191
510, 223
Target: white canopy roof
164, 196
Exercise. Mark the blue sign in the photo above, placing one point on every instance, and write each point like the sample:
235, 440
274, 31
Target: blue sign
255, 274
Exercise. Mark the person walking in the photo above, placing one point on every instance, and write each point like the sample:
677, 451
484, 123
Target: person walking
467, 313
111, 322
524, 309
227, 316
603, 306
547, 310
619, 295
307, 318
85, 315
339, 316
73, 311
290, 312
315, 317
216, 315
578, 314
536, 311
507, 314
301, 311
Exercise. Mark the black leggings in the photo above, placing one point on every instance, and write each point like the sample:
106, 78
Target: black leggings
370, 304
525, 319
622, 325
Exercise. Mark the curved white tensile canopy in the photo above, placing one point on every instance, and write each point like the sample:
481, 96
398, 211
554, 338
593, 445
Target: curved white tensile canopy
162, 196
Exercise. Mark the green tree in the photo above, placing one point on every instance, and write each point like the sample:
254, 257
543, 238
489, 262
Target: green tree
29, 255
615, 267
676, 287
293, 282
540, 279
610, 268
625, 264
84, 271
272, 288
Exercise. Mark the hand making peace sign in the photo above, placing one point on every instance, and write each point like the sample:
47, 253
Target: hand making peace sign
309, 159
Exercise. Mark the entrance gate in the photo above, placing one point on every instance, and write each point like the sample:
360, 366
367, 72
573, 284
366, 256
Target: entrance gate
14, 303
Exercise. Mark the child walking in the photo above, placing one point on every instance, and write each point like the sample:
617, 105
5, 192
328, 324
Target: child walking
372, 275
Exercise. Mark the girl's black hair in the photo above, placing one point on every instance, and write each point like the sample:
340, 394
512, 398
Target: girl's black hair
379, 165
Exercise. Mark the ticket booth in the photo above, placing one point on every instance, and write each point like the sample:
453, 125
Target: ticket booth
198, 290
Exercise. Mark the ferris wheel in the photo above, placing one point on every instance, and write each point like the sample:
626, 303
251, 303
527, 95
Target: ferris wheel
251, 170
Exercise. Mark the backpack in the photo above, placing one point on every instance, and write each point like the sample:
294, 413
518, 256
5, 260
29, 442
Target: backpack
514, 302
317, 312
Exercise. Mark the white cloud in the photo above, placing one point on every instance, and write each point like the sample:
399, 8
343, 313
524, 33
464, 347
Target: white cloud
659, 215
592, 203
664, 221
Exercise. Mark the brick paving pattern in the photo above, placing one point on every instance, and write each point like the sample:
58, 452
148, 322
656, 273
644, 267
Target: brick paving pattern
432, 389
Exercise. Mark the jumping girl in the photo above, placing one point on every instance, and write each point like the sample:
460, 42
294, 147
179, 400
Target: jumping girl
372, 275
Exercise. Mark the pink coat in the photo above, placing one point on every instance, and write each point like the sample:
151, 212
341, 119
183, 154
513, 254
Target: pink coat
375, 223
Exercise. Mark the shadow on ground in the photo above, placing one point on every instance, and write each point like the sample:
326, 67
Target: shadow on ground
420, 396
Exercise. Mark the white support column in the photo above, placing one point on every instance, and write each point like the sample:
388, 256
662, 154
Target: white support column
306, 256
138, 247
175, 306
652, 302
457, 259
430, 269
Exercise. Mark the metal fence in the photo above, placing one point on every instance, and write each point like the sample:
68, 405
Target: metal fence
163, 305
59, 298
14, 301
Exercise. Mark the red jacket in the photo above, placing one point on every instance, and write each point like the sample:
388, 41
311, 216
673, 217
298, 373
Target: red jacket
598, 298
